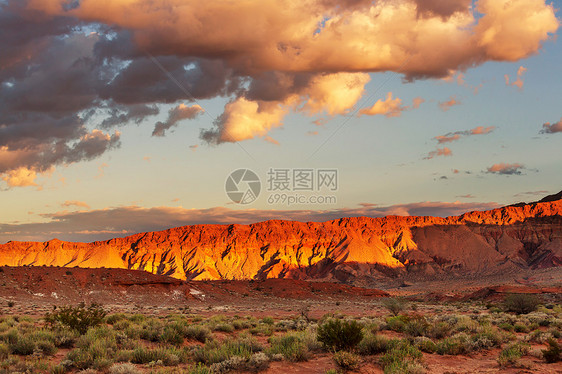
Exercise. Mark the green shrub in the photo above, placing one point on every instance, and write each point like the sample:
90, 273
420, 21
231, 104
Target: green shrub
553, 353
198, 332
416, 326
123, 368
79, 318
510, 356
57, 369
23, 346
439, 330
290, 346
394, 305
425, 344
340, 335
372, 344
46, 347
519, 327
506, 326
397, 323
347, 360
224, 327
521, 303
454, 345
172, 336
4, 351
403, 358
215, 352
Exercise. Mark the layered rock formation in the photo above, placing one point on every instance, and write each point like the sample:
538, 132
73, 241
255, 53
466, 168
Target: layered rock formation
347, 249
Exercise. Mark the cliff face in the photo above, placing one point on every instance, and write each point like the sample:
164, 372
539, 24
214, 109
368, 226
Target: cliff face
348, 249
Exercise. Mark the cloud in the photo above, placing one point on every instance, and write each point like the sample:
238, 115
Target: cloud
506, 169
20, 177
389, 107
417, 102
245, 119
446, 105
76, 203
175, 115
268, 57
103, 224
549, 128
467, 196
439, 152
453, 136
540, 193
519, 81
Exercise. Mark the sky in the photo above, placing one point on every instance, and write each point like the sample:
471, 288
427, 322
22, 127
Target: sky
124, 116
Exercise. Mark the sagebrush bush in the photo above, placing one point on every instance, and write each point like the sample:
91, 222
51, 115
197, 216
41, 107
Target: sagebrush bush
372, 344
553, 353
347, 360
521, 303
394, 305
340, 335
403, 358
510, 356
79, 318
290, 346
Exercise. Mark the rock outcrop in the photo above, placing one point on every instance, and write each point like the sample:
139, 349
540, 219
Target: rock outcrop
354, 250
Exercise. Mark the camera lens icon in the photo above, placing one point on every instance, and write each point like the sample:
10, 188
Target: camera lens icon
243, 186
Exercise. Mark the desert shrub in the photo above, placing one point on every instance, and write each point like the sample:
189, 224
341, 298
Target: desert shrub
487, 338
268, 320
416, 326
455, 345
439, 330
397, 323
403, 358
510, 356
425, 344
57, 369
340, 335
171, 335
262, 329
290, 346
113, 318
521, 303
553, 353
506, 326
224, 327
520, 327
46, 347
214, 352
124, 368
24, 346
79, 318
372, 344
197, 332
347, 360
4, 351
394, 305
199, 369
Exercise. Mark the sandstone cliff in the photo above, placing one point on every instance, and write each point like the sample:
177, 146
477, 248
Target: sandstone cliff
349, 249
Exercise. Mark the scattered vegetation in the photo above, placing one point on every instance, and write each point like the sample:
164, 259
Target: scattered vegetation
187, 343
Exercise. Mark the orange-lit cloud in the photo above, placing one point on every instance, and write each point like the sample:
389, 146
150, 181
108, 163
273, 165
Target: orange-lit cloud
453, 136
439, 152
446, 105
519, 80
76, 203
506, 169
389, 107
551, 128
20, 177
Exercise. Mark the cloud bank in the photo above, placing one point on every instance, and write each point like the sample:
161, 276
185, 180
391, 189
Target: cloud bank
70, 72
